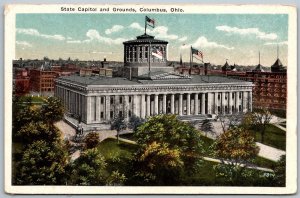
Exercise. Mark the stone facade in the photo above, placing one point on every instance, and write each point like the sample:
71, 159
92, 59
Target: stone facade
149, 87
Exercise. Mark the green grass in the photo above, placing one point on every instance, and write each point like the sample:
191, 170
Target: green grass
128, 136
274, 137
111, 150
263, 162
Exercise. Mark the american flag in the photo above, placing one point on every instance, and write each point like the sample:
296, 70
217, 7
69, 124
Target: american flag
150, 21
157, 53
197, 53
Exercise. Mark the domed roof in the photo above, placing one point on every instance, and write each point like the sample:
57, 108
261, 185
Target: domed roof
145, 38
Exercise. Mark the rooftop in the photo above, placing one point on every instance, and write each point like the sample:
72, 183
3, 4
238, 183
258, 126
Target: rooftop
102, 80
145, 38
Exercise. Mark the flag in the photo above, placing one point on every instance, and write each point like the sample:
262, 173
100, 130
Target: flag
150, 22
197, 53
157, 53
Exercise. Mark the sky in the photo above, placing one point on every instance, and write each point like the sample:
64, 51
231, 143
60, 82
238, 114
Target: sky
235, 37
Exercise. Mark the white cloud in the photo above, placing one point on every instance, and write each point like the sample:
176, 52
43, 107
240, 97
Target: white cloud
183, 39
34, 32
248, 31
136, 26
115, 28
69, 38
74, 41
202, 42
158, 32
93, 35
23, 43
279, 43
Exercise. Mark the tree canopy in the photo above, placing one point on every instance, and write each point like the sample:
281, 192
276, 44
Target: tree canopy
168, 147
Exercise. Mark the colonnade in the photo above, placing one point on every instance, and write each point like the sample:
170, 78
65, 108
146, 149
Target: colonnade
103, 108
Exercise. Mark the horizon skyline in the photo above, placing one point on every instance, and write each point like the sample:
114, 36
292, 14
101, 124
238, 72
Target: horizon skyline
236, 37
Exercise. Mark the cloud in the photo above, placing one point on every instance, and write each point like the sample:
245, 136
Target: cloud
74, 41
158, 32
115, 28
278, 43
183, 39
23, 43
136, 26
202, 42
93, 35
248, 31
34, 32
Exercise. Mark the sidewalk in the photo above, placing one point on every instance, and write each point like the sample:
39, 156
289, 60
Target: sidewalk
227, 162
269, 152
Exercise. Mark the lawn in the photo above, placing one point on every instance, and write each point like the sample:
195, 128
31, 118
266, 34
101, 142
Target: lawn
110, 149
274, 137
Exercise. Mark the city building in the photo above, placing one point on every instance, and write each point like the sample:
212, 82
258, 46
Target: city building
149, 87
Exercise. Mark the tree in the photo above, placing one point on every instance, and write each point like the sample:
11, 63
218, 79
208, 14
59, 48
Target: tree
116, 179
53, 110
118, 124
42, 164
167, 147
206, 126
34, 131
235, 148
230, 121
89, 169
261, 119
135, 122
280, 171
91, 140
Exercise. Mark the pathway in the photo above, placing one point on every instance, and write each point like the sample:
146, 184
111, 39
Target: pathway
269, 152
249, 166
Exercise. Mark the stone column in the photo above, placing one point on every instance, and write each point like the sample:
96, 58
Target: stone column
250, 100
230, 102
98, 109
126, 107
107, 108
136, 105
237, 102
223, 102
156, 104
209, 103
164, 103
196, 104
148, 105
188, 104
216, 102
172, 104
180, 103
143, 106
245, 101
89, 109
203, 103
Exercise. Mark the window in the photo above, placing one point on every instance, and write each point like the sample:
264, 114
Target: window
240, 95
129, 113
121, 100
111, 100
102, 114
102, 100
240, 108
219, 96
129, 98
111, 114
120, 113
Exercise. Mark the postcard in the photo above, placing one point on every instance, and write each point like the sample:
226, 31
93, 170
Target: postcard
150, 99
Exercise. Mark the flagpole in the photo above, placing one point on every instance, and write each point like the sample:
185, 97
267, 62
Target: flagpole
145, 24
191, 57
149, 56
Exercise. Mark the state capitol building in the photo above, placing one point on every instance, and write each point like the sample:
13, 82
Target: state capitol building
149, 86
